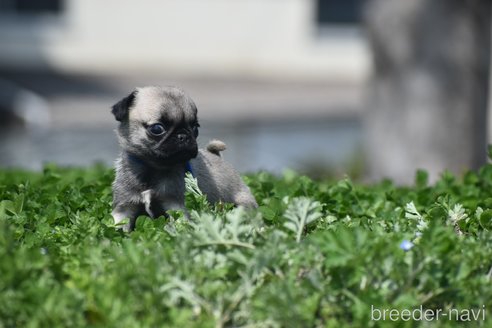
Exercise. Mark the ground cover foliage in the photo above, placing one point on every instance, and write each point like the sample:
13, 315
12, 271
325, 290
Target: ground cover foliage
315, 254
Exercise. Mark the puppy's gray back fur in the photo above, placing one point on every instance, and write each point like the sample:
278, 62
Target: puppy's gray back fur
218, 180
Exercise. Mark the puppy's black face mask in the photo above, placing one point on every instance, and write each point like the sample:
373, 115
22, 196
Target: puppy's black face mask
172, 143
158, 126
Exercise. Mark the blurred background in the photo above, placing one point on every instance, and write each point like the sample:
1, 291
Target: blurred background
372, 88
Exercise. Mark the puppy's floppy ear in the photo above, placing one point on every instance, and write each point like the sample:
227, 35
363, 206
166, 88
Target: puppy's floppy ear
120, 109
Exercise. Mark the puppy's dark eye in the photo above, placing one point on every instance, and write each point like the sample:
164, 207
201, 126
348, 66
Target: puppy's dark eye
156, 129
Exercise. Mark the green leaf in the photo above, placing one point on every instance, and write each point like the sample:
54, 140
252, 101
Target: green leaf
485, 219
301, 212
7, 207
231, 232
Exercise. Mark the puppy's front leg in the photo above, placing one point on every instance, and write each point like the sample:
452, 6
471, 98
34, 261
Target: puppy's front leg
154, 207
174, 205
147, 201
130, 211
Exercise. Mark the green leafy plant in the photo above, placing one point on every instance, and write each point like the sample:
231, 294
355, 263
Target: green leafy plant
301, 212
314, 254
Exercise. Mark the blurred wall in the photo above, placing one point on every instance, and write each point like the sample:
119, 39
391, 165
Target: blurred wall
248, 37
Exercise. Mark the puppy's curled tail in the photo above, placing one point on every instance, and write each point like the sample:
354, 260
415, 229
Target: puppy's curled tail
216, 146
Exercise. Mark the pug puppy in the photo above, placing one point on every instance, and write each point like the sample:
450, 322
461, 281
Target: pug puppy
157, 133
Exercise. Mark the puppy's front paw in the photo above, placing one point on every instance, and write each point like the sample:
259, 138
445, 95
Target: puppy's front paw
120, 215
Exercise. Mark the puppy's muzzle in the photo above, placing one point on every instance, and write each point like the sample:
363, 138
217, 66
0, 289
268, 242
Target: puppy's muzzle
183, 137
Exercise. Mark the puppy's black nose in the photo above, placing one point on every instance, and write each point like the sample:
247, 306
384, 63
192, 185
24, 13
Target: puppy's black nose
182, 137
